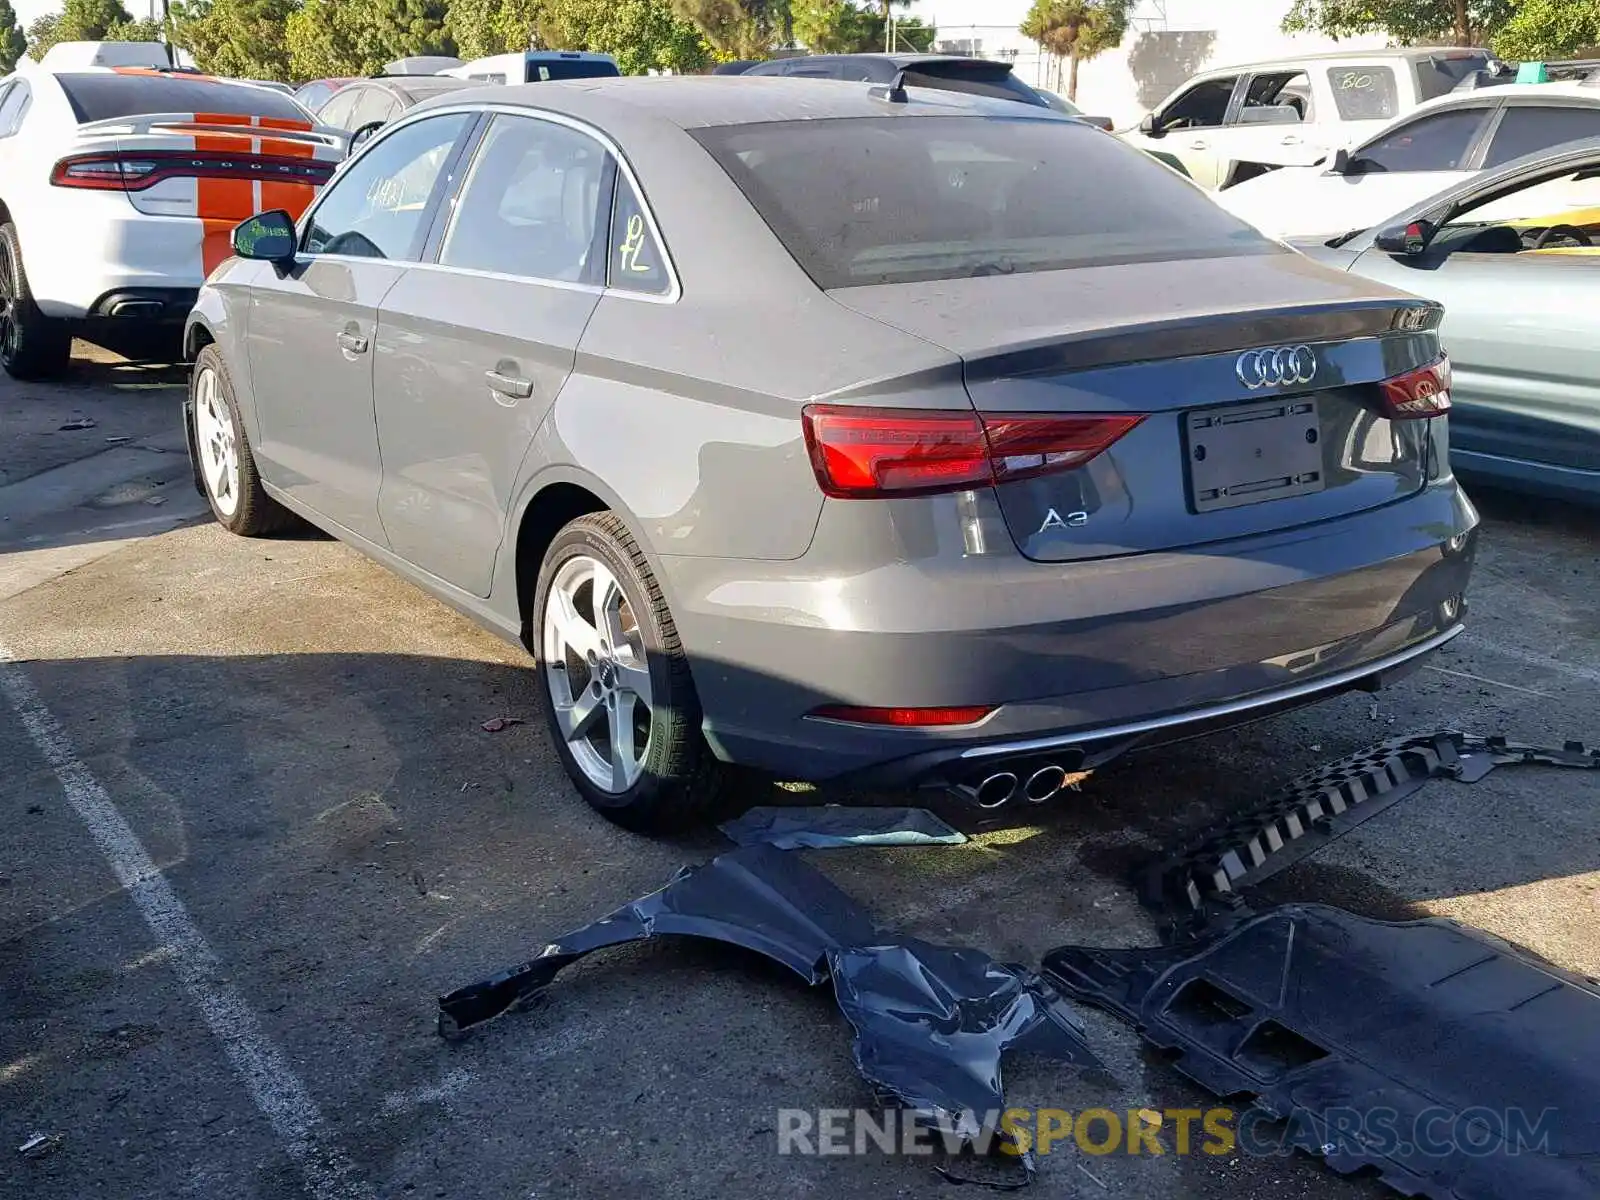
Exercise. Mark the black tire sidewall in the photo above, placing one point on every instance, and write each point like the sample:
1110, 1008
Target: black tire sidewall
43, 347
583, 538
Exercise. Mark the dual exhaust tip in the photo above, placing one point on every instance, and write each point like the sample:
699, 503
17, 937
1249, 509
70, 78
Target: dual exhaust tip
1003, 787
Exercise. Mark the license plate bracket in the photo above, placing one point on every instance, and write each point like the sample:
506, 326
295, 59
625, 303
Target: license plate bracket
1250, 453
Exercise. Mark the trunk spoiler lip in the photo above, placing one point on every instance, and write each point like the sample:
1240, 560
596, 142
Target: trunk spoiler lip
1205, 335
144, 123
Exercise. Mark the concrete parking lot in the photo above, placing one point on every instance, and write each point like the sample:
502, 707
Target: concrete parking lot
254, 828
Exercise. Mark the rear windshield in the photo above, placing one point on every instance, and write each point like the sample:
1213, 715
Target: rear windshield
542, 70
1438, 76
895, 200
102, 95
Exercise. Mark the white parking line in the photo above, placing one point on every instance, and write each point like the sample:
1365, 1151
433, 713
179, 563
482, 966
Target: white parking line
261, 1066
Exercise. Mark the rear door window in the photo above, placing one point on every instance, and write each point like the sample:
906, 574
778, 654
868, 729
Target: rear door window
104, 95
1277, 97
1527, 129
1364, 93
1440, 141
888, 200
637, 262
531, 204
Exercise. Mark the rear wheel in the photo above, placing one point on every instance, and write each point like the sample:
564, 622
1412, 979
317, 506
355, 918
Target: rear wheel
621, 705
32, 345
227, 468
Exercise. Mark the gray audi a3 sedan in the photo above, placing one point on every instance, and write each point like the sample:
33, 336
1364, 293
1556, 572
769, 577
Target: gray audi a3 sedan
890, 437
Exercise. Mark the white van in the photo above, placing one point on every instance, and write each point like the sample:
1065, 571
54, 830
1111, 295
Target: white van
534, 66
1296, 111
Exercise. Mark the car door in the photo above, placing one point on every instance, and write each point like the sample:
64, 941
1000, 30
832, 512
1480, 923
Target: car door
1407, 163
1521, 328
1188, 126
310, 328
1276, 122
472, 348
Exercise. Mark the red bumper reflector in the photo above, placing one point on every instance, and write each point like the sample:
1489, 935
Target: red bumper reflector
1417, 394
866, 453
903, 718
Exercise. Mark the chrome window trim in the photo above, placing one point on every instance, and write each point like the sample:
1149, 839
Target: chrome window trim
624, 168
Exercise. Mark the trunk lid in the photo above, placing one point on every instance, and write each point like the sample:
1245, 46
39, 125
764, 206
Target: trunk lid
1221, 453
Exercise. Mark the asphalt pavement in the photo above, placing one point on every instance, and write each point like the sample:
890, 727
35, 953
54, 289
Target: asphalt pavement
254, 827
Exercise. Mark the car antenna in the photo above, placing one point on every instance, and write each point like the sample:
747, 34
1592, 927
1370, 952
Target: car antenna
895, 93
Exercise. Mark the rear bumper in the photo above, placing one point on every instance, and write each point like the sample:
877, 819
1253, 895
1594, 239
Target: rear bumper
1093, 657
113, 249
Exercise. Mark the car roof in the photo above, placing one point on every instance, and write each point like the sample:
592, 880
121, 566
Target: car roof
702, 101
899, 60
418, 88
1398, 53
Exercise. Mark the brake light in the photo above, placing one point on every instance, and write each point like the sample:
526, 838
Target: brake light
903, 718
135, 172
864, 453
1424, 392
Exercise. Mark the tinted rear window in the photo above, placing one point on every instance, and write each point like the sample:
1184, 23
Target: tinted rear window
541, 70
1364, 93
1438, 76
895, 200
103, 95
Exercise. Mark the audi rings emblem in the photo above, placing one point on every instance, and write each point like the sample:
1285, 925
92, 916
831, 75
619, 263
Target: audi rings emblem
1259, 369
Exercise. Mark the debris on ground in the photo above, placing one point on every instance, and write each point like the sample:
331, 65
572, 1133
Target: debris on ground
837, 825
1203, 880
496, 724
39, 1145
118, 440
931, 1022
78, 423
1456, 1065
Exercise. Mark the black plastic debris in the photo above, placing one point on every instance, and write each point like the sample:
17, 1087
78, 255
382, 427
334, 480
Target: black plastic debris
931, 1022
1458, 1066
836, 825
1323, 806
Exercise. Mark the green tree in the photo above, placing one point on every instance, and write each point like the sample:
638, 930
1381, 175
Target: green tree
837, 26
13, 45
640, 34
739, 28
1076, 30
243, 38
1461, 22
1542, 30
89, 21
321, 42
474, 26
913, 34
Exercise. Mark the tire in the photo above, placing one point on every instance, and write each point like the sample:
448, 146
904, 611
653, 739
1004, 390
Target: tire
677, 784
222, 454
32, 345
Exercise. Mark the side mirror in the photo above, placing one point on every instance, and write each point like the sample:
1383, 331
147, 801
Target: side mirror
267, 237
365, 132
1341, 162
1408, 240
1149, 126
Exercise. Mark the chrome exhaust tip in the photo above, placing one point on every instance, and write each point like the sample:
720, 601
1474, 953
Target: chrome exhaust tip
996, 790
1044, 783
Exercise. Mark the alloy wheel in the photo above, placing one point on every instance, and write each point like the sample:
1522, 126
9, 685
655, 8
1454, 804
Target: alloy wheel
217, 443
597, 673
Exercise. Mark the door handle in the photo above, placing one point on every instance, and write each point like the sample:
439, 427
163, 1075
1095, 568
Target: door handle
1199, 145
509, 385
1291, 140
353, 343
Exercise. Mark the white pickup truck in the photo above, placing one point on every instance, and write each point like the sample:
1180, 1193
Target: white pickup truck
1229, 124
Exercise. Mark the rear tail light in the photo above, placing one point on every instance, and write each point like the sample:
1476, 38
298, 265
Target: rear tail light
903, 718
1424, 392
863, 453
135, 172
